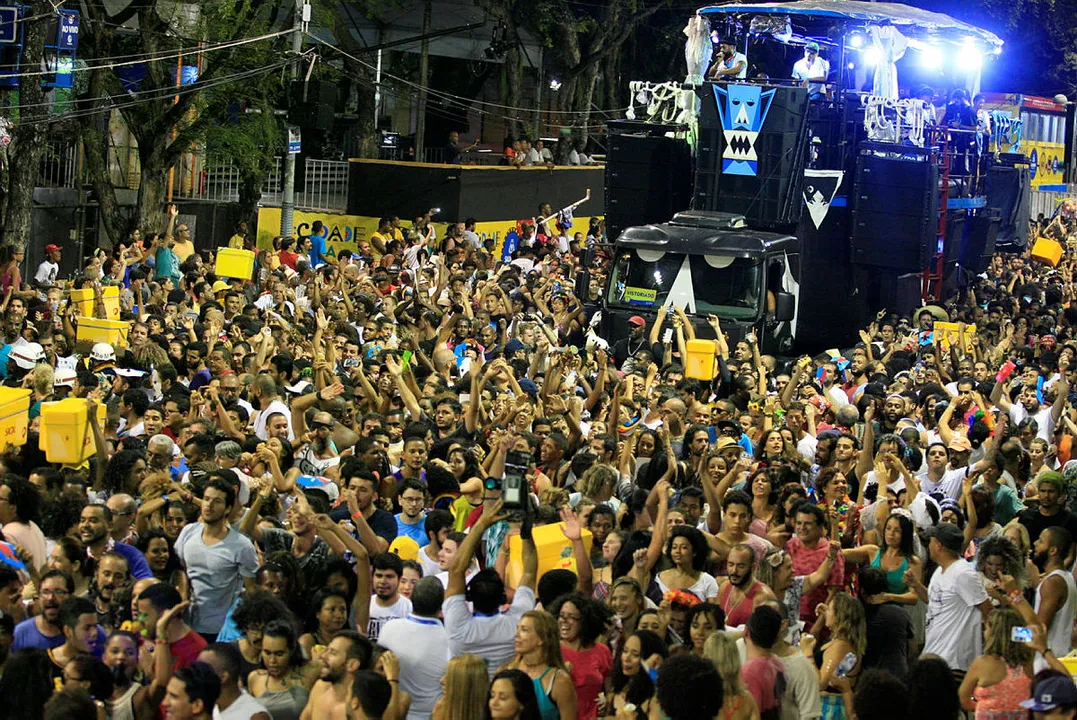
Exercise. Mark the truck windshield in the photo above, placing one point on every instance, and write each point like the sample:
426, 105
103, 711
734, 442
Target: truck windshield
725, 286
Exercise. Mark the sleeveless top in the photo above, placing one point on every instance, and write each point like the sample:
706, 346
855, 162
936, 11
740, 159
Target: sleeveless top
738, 614
1058, 633
1001, 700
285, 704
895, 579
123, 707
547, 707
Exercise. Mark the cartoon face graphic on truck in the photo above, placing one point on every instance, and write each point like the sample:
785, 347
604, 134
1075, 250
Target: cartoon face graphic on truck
743, 110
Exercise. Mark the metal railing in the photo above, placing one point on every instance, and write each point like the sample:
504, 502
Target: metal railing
59, 164
325, 183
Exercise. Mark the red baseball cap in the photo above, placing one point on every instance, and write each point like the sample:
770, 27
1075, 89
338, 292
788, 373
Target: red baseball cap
637, 320
51, 248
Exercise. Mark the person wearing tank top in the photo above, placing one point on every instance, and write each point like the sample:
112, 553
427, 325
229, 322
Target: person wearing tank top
737, 594
1056, 595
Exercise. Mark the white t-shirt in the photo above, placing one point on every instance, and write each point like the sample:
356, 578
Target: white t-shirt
274, 407
803, 71
46, 273
806, 447
801, 700
1042, 417
380, 615
738, 57
244, 708
488, 636
422, 646
949, 485
953, 615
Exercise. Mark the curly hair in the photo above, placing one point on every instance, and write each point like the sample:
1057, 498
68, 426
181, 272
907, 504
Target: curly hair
118, 471
256, 609
598, 476
849, 622
594, 615
772, 479
824, 477
1003, 547
695, 538
1000, 623
787, 491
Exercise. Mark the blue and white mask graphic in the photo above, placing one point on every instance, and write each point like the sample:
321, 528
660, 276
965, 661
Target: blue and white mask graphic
743, 110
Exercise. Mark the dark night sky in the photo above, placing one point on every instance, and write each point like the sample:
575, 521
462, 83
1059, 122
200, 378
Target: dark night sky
1014, 70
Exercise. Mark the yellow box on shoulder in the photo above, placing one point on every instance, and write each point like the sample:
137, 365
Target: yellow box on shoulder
702, 362
110, 298
232, 263
554, 552
113, 332
65, 433
14, 415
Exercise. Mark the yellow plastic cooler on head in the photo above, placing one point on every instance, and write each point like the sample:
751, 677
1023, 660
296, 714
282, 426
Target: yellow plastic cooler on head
702, 363
1047, 251
110, 298
14, 415
113, 332
66, 436
554, 552
232, 263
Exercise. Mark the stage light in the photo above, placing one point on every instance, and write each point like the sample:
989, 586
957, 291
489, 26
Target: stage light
856, 40
555, 84
872, 55
969, 58
852, 66
930, 57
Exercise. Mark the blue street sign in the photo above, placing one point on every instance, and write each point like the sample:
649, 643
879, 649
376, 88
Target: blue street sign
9, 28
69, 31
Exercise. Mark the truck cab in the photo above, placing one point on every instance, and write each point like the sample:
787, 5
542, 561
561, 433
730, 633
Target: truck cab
708, 263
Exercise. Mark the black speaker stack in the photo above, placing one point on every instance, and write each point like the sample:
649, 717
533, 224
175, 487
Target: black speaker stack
771, 195
979, 244
317, 111
895, 212
648, 176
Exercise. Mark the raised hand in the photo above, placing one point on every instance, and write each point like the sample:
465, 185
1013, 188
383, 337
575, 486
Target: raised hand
571, 529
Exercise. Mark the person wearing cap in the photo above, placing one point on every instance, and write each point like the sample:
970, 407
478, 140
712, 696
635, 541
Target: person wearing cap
1054, 698
812, 71
49, 269
635, 343
957, 601
729, 63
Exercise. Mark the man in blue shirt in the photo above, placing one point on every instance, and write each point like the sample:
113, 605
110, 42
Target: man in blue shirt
95, 524
319, 251
411, 522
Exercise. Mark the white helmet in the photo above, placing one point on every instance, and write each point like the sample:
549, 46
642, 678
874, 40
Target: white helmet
103, 352
28, 355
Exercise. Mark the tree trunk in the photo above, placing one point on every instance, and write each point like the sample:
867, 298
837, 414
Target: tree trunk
153, 185
514, 84
96, 143
30, 132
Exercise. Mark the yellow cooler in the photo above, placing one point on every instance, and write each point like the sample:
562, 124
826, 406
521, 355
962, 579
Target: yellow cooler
554, 552
1047, 251
14, 415
113, 332
232, 263
66, 436
702, 363
110, 298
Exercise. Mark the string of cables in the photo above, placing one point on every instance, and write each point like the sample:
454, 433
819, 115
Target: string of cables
161, 94
450, 98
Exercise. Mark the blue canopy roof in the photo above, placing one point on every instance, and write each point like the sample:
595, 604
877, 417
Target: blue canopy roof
913, 22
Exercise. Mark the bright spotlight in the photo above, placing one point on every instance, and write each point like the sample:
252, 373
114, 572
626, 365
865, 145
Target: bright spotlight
851, 66
931, 57
856, 40
872, 55
969, 58
555, 84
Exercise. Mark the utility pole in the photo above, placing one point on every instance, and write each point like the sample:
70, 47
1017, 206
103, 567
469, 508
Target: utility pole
287, 205
424, 78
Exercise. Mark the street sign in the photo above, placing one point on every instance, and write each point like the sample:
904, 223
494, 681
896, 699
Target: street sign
9, 24
69, 31
295, 142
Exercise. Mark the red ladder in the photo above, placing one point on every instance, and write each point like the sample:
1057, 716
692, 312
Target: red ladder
940, 140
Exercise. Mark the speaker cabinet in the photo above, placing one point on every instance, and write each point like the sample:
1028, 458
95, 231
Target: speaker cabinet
895, 213
648, 180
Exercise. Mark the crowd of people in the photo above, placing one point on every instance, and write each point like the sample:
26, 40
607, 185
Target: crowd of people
326, 493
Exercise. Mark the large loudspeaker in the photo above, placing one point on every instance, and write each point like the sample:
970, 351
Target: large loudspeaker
1008, 190
764, 131
895, 213
648, 180
955, 236
980, 240
317, 112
